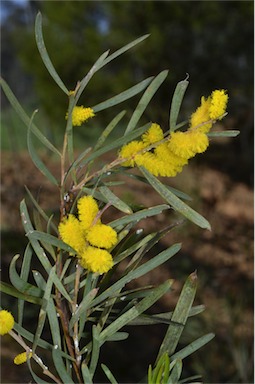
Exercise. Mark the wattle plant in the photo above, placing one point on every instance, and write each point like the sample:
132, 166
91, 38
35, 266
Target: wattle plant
76, 291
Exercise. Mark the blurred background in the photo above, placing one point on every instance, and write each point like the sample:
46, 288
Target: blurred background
212, 42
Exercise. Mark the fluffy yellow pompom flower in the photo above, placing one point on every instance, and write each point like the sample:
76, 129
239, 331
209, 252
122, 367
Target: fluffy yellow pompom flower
21, 358
219, 100
6, 322
81, 114
201, 115
102, 236
188, 144
129, 151
96, 260
87, 211
72, 233
153, 134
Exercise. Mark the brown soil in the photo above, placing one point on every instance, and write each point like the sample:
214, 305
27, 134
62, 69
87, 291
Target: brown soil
222, 257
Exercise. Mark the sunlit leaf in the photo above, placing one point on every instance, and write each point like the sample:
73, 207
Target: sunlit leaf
176, 103
44, 53
145, 99
174, 201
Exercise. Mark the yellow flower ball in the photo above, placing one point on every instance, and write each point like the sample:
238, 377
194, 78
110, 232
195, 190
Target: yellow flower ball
96, 260
72, 233
129, 152
219, 99
188, 144
87, 211
102, 236
81, 114
153, 135
201, 115
21, 358
6, 322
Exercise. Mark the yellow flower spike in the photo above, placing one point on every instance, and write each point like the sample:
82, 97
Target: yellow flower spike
153, 134
81, 114
201, 115
87, 211
129, 151
96, 260
6, 322
21, 358
72, 233
188, 144
102, 236
219, 99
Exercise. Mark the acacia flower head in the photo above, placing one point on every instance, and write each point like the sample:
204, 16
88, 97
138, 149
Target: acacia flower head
21, 358
102, 236
6, 322
96, 260
72, 233
153, 134
188, 144
129, 152
81, 114
202, 115
219, 99
87, 211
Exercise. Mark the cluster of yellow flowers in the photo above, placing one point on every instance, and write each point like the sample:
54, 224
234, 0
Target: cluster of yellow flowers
81, 114
167, 157
89, 237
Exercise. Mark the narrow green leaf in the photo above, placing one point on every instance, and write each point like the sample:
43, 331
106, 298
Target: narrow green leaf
44, 54
109, 374
175, 373
137, 216
132, 313
108, 130
118, 336
20, 284
46, 237
82, 308
145, 99
86, 374
60, 366
176, 103
164, 318
51, 310
124, 49
192, 347
179, 317
95, 349
92, 71
39, 280
140, 271
123, 95
115, 200
230, 133
43, 310
35, 158
24, 273
10, 290
24, 117
174, 201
